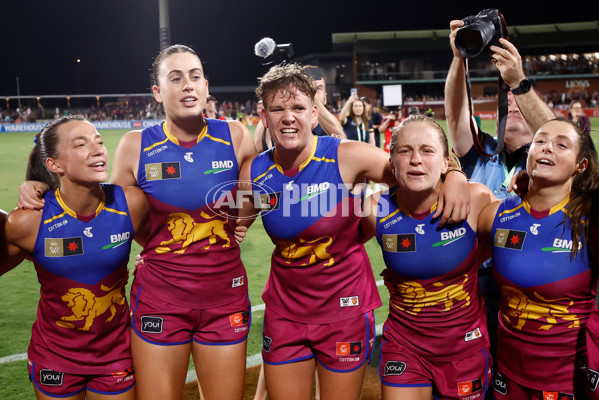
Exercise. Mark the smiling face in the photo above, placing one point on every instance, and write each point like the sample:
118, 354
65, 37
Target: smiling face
417, 159
554, 152
289, 116
82, 157
182, 87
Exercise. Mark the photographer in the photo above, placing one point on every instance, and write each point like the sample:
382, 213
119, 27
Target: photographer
526, 113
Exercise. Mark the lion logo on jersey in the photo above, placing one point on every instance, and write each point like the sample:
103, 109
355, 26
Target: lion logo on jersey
87, 306
186, 231
415, 297
315, 249
522, 308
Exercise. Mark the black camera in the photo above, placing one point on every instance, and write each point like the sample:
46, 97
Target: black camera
282, 54
272, 52
480, 31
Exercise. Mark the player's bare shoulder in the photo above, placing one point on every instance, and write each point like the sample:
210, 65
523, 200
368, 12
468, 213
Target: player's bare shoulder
21, 228
243, 142
126, 159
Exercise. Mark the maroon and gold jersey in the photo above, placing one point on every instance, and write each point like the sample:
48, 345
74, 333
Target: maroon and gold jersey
82, 323
320, 271
546, 296
435, 306
191, 257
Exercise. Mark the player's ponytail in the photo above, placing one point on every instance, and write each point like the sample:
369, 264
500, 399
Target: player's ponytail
46, 146
37, 171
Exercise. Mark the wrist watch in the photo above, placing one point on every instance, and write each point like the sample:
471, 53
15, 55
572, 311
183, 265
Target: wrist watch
524, 87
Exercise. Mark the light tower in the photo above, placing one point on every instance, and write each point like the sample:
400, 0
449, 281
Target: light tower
165, 29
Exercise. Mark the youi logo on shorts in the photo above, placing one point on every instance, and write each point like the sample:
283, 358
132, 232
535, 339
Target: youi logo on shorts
593, 379
219, 166
151, 324
266, 343
500, 385
49, 377
394, 368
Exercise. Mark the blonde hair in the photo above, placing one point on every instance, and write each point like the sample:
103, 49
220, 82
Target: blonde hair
454, 162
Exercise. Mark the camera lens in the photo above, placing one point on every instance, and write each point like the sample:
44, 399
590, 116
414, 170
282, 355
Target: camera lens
472, 39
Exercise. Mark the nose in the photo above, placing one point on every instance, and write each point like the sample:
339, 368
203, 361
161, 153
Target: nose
97, 148
547, 147
513, 107
415, 159
187, 85
288, 116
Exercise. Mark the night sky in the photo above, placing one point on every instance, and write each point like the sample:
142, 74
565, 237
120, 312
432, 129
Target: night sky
116, 40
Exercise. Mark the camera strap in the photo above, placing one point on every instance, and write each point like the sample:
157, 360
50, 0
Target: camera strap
502, 110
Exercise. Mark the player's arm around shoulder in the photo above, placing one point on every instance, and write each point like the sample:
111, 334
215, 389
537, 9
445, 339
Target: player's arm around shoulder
483, 231
19, 230
247, 212
369, 216
139, 211
126, 159
243, 143
259, 132
480, 196
359, 161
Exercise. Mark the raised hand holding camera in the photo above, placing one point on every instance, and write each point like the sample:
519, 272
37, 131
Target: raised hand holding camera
480, 32
509, 63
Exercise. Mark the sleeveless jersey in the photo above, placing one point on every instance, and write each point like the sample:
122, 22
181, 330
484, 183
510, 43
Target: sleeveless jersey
320, 272
191, 257
82, 323
435, 306
546, 297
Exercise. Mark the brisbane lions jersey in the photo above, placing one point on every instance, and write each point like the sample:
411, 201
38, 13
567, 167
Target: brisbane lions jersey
320, 271
546, 295
435, 306
191, 257
82, 323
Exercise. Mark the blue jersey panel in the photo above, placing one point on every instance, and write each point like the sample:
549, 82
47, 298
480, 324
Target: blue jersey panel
84, 251
188, 178
524, 246
419, 249
291, 204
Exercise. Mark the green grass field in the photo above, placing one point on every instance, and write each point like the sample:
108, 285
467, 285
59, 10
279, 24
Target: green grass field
20, 289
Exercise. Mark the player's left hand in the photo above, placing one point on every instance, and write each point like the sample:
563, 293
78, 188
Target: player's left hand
453, 204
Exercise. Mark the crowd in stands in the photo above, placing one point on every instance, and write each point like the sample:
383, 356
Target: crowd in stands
542, 65
146, 108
